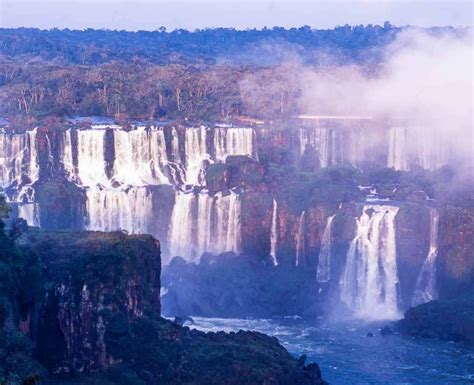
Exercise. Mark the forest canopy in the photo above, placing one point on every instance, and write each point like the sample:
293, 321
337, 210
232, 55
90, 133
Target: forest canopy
202, 75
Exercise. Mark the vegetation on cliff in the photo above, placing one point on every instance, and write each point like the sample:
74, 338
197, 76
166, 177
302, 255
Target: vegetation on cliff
83, 308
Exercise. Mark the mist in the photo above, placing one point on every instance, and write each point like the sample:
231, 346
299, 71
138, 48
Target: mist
425, 83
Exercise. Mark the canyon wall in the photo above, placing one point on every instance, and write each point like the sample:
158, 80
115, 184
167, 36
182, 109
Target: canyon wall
266, 193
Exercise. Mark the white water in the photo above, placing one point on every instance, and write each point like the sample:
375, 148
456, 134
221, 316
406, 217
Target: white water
18, 158
140, 157
117, 209
91, 157
320, 139
432, 150
232, 141
274, 233
425, 289
397, 157
195, 146
66, 155
300, 246
323, 273
203, 223
30, 213
369, 283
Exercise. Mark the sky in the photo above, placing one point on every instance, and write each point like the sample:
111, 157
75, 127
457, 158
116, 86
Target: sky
191, 14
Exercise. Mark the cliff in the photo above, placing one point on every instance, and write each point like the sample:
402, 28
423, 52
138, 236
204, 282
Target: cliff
265, 193
83, 308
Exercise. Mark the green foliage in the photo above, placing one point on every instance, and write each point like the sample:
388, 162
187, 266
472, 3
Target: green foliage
16, 362
158, 351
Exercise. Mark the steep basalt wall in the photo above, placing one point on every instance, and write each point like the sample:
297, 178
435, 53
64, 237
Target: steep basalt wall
265, 192
456, 251
89, 279
412, 237
89, 304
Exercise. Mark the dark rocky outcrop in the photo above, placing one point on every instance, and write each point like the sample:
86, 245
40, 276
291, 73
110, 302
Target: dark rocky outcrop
90, 277
83, 308
451, 320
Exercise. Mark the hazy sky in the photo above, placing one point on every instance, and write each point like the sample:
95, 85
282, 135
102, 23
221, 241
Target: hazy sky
191, 14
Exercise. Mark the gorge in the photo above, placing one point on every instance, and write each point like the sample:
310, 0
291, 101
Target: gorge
196, 187
168, 197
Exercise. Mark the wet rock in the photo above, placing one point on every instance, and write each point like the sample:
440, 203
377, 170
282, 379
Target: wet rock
450, 320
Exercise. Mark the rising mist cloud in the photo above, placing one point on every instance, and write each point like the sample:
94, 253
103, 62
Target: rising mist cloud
425, 79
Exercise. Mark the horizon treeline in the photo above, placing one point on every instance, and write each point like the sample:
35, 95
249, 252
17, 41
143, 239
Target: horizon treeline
203, 75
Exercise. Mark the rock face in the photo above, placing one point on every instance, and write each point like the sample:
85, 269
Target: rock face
265, 193
451, 320
84, 308
456, 249
90, 278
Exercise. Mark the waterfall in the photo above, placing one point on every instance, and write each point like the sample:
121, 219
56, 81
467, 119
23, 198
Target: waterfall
30, 213
175, 146
239, 141
66, 156
91, 157
203, 223
432, 150
140, 157
319, 138
18, 158
33, 162
274, 233
195, 145
425, 289
12, 153
300, 249
117, 209
181, 232
397, 149
323, 273
232, 141
369, 283
220, 144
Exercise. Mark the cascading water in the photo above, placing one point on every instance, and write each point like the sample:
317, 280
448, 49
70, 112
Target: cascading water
67, 155
30, 213
181, 232
18, 158
323, 273
232, 141
91, 157
195, 145
239, 141
425, 289
369, 283
119, 209
274, 233
33, 162
140, 157
398, 149
200, 223
300, 247
320, 139
432, 151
